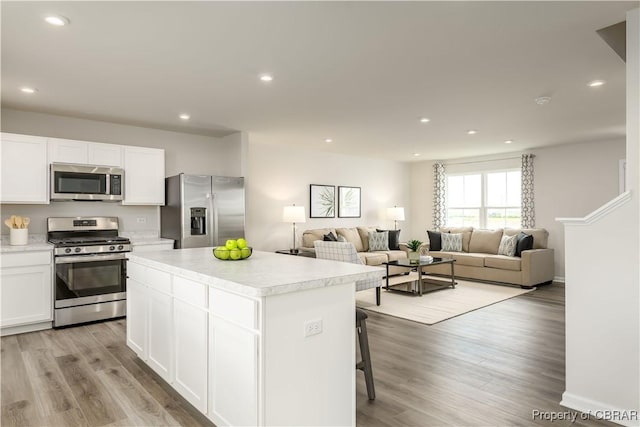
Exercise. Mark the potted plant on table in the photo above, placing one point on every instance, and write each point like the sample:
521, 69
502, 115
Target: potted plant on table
414, 247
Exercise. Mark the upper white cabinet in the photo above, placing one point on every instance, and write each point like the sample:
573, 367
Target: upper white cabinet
85, 153
143, 176
24, 175
104, 154
68, 151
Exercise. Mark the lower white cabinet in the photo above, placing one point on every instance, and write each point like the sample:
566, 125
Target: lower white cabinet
26, 289
137, 314
201, 340
190, 334
160, 338
233, 374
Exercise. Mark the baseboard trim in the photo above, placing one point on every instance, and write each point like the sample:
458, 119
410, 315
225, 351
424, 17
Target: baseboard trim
21, 329
558, 279
600, 410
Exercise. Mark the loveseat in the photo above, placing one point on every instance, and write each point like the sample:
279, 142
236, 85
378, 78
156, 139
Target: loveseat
478, 258
359, 236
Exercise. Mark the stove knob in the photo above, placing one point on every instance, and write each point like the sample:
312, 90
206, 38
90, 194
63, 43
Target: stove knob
77, 250
120, 247
67, 251
112, 248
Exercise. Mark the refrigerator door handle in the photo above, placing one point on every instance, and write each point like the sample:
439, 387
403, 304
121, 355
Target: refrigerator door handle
213, 220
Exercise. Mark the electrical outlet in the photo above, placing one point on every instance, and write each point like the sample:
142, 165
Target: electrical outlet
141, 220
312, 327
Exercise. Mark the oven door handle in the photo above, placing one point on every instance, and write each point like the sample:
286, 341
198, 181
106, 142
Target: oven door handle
89, 258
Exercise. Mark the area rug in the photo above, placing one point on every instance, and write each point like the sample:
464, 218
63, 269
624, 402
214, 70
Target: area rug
436, 306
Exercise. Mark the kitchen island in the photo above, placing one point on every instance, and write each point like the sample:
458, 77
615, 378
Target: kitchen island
269, 340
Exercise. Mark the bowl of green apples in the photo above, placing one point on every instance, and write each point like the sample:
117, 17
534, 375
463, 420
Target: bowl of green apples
233, 250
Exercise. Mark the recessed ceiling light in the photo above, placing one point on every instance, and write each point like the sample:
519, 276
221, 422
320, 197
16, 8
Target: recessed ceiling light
596, 83
328, 140
184, 116
508, 141
28, 89
266, 77
416, 154
57, 20
424, 120
472, 132
542, 100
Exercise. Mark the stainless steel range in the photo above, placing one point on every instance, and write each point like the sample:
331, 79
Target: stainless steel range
90, 268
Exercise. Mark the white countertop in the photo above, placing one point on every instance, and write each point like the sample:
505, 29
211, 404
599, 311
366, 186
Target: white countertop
142, 241
263, 274
37, 242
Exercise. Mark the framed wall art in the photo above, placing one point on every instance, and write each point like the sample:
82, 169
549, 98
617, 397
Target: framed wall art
322, 201
348, 202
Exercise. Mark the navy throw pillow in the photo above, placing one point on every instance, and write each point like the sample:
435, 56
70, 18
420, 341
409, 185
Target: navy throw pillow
329, 237
435, 240
525, 243
394, 239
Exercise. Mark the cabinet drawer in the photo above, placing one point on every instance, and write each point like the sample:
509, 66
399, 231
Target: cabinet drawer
136, 272
237, 309
158, 280
26, 258
190, 292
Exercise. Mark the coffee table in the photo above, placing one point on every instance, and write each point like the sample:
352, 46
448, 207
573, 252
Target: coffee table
420, 280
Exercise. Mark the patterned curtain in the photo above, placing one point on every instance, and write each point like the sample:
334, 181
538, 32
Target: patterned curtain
528, 206
439, 199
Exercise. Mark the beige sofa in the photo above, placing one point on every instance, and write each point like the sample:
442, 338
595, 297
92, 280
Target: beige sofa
359, 236
479, 258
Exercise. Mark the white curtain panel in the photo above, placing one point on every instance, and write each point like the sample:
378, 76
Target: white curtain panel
528, 206
439, 197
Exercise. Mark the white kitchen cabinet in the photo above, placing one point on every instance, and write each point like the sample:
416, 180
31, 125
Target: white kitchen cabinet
137, 309
104, 154
160, 338
84, 152
24, 175
190, 334
68, 151
143, 176
26, 289
233, 374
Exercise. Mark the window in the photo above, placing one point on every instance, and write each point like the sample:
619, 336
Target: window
484, 199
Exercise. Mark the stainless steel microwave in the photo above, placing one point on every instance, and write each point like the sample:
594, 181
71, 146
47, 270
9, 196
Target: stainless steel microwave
85, 182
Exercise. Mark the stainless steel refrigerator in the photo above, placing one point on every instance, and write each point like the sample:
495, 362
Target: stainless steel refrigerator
202, 210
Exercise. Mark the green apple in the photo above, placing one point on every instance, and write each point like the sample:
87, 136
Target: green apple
235, 253
246, 252
241, 243
221, 252
231, 244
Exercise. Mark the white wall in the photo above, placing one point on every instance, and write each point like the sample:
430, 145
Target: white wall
603, 286
183, 153
570, 180
279, 176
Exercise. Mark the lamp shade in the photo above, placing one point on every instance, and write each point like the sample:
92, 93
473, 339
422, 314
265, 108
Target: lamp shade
396, 213
294, 214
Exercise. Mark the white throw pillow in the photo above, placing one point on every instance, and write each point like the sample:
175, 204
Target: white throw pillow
508, 245
451, 242
378, 241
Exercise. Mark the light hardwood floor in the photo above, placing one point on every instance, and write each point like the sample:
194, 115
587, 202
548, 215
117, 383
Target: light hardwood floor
491, 367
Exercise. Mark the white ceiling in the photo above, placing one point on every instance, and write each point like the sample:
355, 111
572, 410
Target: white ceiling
361, 73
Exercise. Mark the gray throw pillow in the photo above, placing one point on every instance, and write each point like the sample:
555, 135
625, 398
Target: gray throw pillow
451, 242
508, 245
378, 241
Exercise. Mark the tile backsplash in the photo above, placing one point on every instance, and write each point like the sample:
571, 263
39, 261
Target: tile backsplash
133, 219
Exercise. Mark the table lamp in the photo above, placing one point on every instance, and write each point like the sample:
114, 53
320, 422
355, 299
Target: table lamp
396, 214
294, 214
